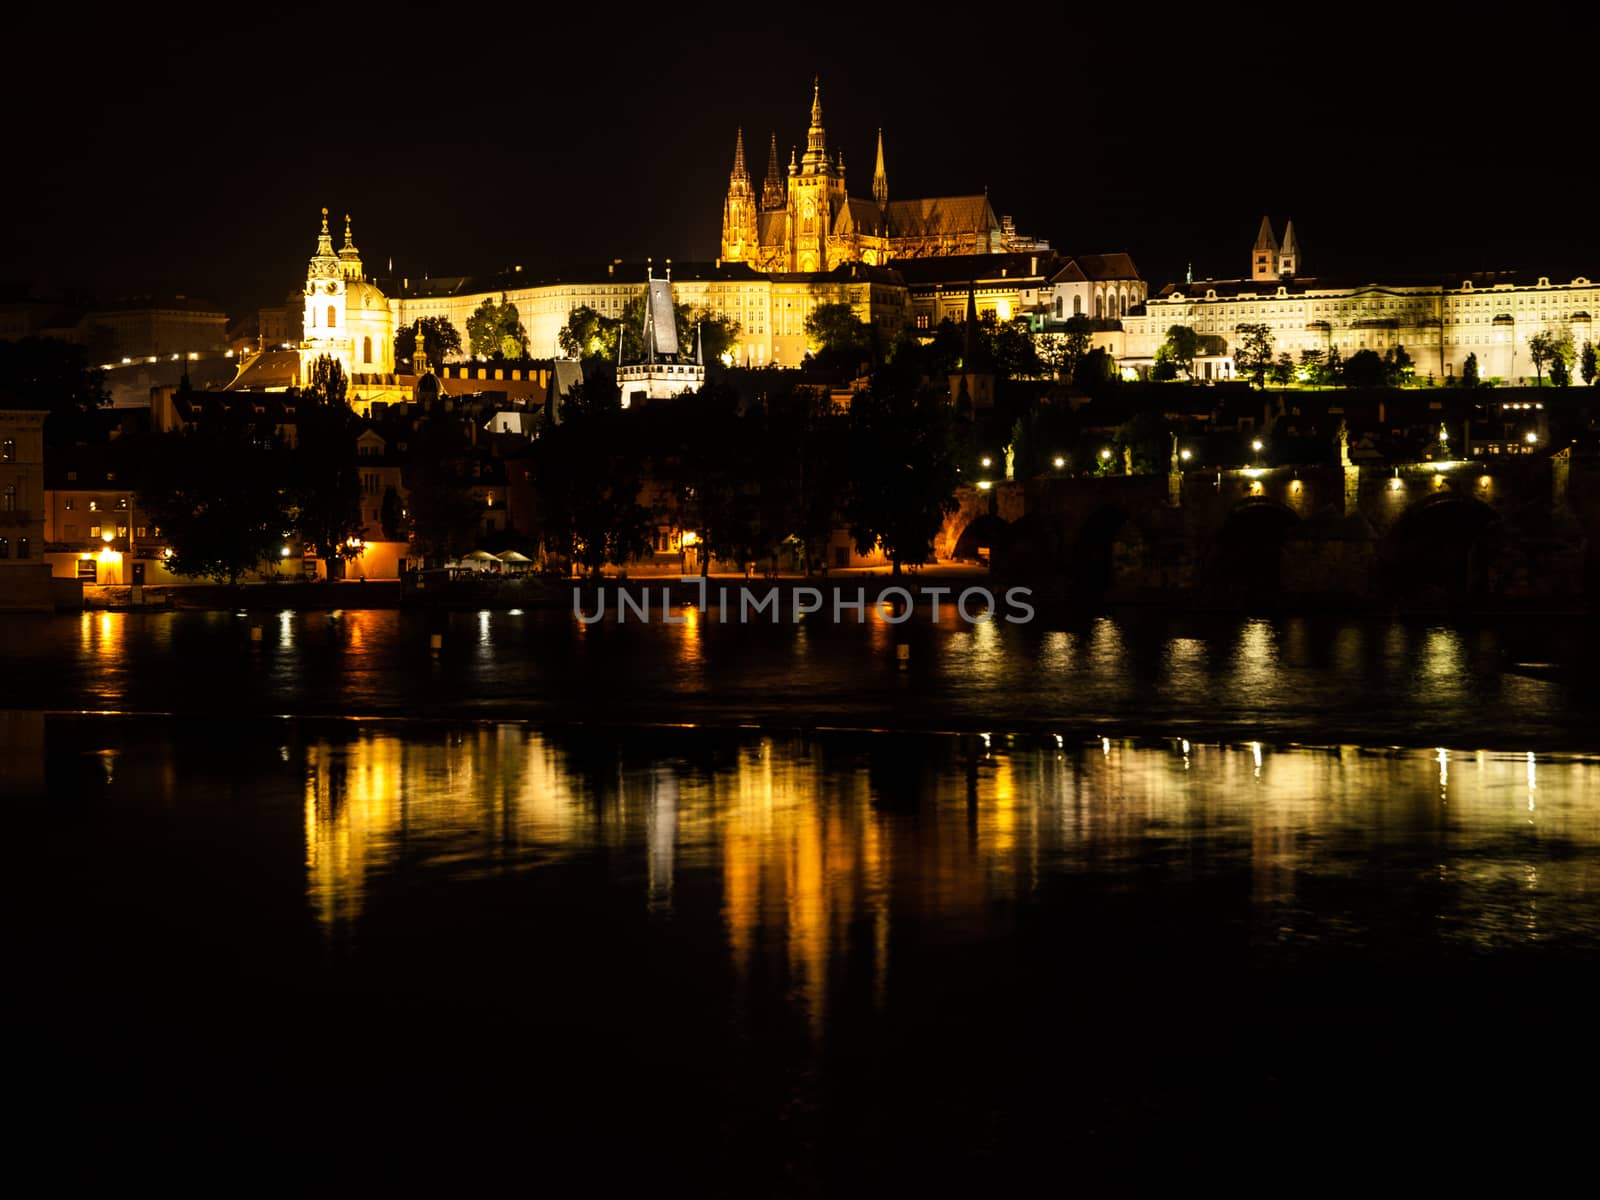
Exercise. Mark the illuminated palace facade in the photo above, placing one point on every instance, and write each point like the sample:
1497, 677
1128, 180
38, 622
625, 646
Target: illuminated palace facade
807, 220
1438, 321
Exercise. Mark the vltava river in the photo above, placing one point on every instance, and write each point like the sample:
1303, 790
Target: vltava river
392, 956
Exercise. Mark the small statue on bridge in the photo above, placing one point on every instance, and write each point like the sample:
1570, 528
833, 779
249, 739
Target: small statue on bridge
1011, 459
1344, 445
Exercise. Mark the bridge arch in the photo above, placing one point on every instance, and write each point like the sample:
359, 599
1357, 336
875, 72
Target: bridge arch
1436, 555
1247, 558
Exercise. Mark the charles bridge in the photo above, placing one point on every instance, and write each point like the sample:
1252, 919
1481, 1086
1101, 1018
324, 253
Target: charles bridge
1504, 532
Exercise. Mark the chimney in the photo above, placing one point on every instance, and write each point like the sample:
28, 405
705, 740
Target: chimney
1033, 264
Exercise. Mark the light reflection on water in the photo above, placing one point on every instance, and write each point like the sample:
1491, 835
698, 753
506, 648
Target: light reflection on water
816, 848
782, 937
1375, 681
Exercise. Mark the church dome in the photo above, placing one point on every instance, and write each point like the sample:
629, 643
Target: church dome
361, 296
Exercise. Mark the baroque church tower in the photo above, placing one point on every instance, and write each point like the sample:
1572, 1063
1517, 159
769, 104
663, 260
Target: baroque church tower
346, 317
741, 240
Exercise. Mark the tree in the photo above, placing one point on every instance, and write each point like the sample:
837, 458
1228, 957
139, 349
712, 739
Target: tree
1096, 372
1164, 369
495, 330
1253, 356
1469, 371
1559, 375
1182, 347
717, 335
902, 472
586, 479
444, 514
325, 488
1365, 369
589, 334
1588, 367
1147, 438
216, 492
1541, 348
56, 377
1075, 343
1397, 366
1283, 370
1562, 356
838, 338
1311, 363
440, 340
1333, 368
1010, 347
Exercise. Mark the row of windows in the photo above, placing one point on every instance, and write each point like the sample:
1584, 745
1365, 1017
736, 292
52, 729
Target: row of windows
24, 549
95, 503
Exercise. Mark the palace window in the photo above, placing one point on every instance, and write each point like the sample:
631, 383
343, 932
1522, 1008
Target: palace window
8, 450
23, 549
333, 318
94, 531
5, 548
366, 350
71, 503
8, 501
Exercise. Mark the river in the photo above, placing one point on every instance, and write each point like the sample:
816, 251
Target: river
1118, 905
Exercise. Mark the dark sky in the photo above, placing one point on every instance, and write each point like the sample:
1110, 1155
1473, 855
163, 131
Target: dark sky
185, 154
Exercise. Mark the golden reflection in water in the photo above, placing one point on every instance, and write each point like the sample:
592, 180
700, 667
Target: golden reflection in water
811, 862
488, 797
800, 862
688, 638
102, 637
1255, 659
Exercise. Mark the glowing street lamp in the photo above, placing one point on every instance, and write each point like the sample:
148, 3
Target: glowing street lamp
987, 461
1059, 462
1256, 445
1532, 439
1186, 455
1105, 456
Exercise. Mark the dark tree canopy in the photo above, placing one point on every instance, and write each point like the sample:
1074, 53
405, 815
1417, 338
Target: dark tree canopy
440, 341
495, 330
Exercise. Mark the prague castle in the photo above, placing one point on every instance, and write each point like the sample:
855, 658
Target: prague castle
806, 220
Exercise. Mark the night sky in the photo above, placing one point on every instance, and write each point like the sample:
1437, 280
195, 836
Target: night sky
156, 155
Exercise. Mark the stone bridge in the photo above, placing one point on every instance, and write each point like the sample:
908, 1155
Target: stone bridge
1513, 532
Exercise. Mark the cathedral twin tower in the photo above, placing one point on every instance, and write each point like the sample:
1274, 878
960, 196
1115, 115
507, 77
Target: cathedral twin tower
808, 222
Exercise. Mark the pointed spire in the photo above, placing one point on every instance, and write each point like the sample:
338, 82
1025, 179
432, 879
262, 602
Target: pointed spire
772, 188
880, 177
324, 263
1266, 240
349, 256
1289, 258
349, 250
739, 170
325, 239
816, 138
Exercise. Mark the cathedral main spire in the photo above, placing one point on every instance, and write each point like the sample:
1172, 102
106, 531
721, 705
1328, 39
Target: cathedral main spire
880, 178
772, 188
740, 173
816, 138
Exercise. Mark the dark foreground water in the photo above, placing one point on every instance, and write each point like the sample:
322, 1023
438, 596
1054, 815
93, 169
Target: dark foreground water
1081, 949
